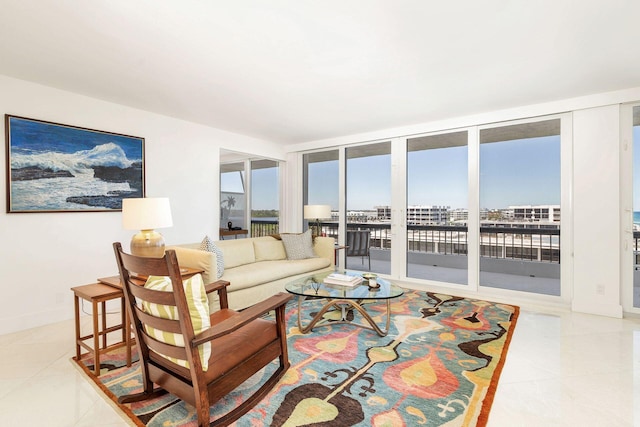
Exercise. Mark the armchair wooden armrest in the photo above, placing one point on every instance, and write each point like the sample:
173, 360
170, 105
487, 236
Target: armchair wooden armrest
242, 318
219, 286
216, 286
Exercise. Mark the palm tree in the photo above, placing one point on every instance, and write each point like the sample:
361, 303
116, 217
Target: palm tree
231, 202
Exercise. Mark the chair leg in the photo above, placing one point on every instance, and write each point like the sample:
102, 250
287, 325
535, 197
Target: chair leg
203, 414
144, 395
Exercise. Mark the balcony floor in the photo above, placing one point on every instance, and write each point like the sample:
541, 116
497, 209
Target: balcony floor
539, 285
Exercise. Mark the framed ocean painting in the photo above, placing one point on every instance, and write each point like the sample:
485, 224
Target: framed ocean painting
53, 167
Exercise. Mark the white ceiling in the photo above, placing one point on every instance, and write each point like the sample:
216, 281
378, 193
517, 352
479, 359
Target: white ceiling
293, 71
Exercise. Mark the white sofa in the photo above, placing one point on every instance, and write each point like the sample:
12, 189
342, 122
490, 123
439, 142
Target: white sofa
256, 268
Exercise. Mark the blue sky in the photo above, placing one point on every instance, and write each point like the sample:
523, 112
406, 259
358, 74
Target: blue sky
264, 183
523, 172
517, 172
323, 184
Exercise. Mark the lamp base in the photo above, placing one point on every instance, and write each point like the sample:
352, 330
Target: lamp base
147, 243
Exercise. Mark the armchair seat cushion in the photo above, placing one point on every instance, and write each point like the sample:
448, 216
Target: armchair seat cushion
239, 345
234, 348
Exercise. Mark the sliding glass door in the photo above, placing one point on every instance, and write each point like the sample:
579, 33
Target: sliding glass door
520, 207
321, 186
265, 199
437, 207
368, 201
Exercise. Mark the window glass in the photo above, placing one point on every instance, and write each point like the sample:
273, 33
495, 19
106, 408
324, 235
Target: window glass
437, 207
368, 216
520, 207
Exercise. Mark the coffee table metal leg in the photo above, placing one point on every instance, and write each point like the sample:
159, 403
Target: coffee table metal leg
341, 304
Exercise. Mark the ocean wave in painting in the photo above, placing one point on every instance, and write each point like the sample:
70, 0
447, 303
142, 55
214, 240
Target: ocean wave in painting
83, 180
80, 162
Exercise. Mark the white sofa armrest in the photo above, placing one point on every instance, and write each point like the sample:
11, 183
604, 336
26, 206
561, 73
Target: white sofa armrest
324, 247
198, 259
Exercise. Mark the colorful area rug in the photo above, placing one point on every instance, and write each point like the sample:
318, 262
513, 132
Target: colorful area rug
438, 366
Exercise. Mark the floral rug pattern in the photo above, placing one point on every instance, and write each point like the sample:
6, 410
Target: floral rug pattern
438, 366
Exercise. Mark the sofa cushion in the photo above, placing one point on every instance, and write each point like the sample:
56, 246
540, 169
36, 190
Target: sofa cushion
208, 245
269, 249
298, 246
246, 276
198, 310
237, 252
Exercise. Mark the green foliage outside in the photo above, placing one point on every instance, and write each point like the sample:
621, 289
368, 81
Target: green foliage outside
264, 213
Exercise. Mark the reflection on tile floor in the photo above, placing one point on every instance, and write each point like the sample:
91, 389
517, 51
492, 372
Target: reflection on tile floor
562, 369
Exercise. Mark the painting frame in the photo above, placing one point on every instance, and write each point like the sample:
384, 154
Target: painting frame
55, 167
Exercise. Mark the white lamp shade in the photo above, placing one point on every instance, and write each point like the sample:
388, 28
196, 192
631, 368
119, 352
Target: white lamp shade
317, 211
146, 214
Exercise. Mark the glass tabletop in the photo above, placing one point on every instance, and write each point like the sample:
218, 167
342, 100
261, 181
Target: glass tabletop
314, 286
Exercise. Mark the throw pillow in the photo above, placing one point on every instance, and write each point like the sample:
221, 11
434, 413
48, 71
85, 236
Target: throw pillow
298, 246
208, 245
269, 250
198, 309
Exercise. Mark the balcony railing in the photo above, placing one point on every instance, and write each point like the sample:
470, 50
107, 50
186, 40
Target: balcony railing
541, 244
505, 242
260, 227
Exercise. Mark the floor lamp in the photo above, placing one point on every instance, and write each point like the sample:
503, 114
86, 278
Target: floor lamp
317, 212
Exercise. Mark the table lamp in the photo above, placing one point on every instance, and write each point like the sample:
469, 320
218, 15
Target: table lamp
317, 212
146, 214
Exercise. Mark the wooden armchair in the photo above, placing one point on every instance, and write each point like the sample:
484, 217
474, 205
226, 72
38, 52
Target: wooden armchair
241, 343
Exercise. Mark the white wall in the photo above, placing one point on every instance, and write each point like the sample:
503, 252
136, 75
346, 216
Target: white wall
596, 211
42, 255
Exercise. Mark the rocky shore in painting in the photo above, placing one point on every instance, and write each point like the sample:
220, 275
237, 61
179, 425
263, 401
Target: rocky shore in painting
111, 201
33, 172
132, 174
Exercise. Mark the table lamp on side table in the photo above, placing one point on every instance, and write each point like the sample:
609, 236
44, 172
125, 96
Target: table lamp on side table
317, 212
146, 214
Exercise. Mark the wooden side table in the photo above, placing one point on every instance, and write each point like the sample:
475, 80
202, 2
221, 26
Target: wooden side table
98, 294
235, 233
114, 281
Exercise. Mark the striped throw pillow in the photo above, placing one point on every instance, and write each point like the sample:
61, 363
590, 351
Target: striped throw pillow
198, 309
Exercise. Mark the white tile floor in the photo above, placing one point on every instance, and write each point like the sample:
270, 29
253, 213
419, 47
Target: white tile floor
562, 369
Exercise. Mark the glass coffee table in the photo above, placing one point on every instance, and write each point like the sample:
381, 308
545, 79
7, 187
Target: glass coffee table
341, 299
